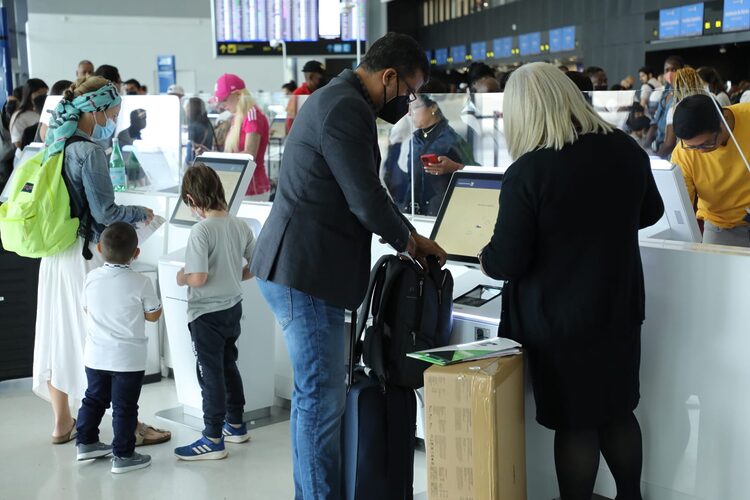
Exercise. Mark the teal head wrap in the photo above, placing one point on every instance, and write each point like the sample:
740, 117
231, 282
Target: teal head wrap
64, 121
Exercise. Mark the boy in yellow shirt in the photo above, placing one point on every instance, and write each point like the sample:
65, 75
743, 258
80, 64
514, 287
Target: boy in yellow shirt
713, 167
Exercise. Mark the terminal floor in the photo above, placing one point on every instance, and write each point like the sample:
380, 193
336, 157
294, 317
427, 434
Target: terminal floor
31, 468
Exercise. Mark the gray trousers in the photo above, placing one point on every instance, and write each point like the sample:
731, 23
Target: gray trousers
736, 236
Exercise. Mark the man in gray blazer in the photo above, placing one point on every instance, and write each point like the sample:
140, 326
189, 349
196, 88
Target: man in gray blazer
312, 259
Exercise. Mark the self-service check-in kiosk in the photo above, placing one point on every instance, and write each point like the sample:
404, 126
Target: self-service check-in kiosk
256, 344
463, 227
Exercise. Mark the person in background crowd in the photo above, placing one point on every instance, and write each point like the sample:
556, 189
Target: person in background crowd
686, 82
249, 133
638, 123
715, 84
435, 136
135, 173
59, 87
649, 84
25, 116
713, 168
658, 131
10, 106
85, 68
328, 205
563, 68
575, 298
89, 109
132, 87
143, 90
31, 133
200, 130
598, 77
314, 73
628, 82
289, 87
133, 132
110, 73
617, 86
177, 90
482, 79
504, 79
581, 81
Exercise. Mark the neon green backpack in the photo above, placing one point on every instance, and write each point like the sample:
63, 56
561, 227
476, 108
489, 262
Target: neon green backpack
36, 220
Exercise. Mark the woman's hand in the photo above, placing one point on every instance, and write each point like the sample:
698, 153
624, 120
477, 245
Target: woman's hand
149, 215
199, 149
444, 166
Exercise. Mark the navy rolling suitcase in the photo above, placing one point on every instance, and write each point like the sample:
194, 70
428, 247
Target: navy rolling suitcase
378, 435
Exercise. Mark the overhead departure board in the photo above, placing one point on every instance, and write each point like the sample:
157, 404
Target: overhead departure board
502, 47
246, 26
562, 39
530, 43
736, 15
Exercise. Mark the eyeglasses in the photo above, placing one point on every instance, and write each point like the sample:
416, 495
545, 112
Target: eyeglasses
412, 93
709, 145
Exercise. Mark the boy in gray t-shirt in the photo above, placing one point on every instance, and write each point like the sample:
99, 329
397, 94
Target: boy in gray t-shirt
213, 270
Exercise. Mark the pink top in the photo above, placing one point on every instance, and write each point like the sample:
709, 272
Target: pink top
257, 123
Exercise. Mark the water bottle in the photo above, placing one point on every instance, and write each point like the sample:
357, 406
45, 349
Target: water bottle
117, 168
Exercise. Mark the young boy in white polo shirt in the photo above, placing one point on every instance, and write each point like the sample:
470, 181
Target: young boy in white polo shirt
118, 301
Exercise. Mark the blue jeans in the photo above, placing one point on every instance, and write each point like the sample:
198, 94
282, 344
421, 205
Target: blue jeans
122, 389
314, 333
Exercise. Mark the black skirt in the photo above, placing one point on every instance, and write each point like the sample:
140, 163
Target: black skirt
589, 384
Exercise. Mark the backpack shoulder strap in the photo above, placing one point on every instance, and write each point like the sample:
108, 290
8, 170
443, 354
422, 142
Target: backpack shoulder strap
86, 252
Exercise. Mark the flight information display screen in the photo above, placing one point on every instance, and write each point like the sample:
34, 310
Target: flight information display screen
246, 26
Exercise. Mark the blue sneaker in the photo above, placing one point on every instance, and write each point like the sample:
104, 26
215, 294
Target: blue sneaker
203, 449
235, 434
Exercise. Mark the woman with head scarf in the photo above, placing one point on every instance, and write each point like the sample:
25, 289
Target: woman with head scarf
88, 110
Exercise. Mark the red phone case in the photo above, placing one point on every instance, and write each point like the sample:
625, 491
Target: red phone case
428, 159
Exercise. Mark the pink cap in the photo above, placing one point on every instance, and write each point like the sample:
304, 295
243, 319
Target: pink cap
226, 84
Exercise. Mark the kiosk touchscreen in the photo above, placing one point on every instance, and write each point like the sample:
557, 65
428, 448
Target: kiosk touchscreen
467, 216
28, 152
678, 207
235, 172
464, 226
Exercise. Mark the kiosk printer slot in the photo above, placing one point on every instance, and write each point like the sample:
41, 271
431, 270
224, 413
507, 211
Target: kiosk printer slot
256, 343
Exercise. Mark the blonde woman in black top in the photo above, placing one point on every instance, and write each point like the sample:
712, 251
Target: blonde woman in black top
566, 239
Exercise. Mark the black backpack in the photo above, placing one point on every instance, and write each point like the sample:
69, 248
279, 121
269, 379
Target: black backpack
412, 310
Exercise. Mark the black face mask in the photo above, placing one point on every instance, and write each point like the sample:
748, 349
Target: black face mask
396, 108
131, 92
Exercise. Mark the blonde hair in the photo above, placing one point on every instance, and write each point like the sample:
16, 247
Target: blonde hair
84, 85
244, 104
542, 108
687, 82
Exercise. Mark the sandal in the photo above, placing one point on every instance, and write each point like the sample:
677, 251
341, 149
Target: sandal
66, 438
146, 434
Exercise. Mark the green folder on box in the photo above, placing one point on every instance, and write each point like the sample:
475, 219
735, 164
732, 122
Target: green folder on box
459, 353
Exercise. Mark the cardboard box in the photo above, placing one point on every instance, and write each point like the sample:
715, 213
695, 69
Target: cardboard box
474, 435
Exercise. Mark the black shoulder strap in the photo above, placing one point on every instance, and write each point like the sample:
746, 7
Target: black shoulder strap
86, 252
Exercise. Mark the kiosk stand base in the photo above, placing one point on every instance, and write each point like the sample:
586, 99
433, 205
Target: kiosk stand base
254, 419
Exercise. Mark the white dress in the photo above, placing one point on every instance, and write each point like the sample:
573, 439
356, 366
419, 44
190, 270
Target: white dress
60, 322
